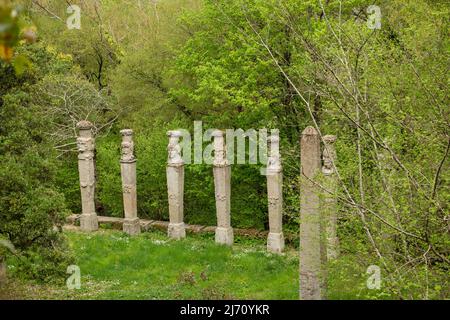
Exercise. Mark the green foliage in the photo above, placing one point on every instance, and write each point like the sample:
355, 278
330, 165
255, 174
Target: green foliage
14, 29
9, 30
32, 210
109, 184
151, 267
388, 82
248, 64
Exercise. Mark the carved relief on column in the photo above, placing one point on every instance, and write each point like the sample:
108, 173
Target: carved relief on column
222, 176
220, 155
329, 154
131, 224
127, 146
274, 159
175, 186
86, 147
329, 206
275, 239
174, 149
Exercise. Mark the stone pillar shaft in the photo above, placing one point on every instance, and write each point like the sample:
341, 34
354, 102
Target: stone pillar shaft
275, 239
3, 271
222, 185
86, 168
131, 223
329, 206
175, 187
310, 238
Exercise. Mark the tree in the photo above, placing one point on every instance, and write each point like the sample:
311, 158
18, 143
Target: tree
32, 209
381, 91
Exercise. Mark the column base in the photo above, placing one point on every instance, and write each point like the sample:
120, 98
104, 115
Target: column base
176, 230
131, 226
89, 222
310, 285
275, 242
224, 236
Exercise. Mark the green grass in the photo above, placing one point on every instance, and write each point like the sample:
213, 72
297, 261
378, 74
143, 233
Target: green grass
150, 266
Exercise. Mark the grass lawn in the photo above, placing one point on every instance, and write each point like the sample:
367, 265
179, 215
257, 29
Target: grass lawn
149, 266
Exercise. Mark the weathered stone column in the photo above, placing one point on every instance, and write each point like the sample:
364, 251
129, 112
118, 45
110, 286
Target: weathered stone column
131, 223
222, 176
86, 145
175, 186
3, 271
310, 238
275, 239
329, 205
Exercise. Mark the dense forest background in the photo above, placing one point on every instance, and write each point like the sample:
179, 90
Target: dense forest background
154, 66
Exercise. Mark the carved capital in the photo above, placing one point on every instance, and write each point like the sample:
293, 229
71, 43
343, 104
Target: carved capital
127, 146
84, 125
126, 132
85, 148
220, 154
174, 149
274, 159
328, 154
127, 151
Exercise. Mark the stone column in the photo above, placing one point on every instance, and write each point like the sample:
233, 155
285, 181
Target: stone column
310, 239
275, 239
222, 176
131, 223
175, 186
86, 145
329, 205
3, 271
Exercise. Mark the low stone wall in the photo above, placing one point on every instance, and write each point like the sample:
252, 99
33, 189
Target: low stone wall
148, 225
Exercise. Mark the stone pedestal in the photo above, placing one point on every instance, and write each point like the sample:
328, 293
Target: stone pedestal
132, 226
222, 176
310, 238
275, 242
329, 205
175, 186
131, 223
275, 239
224, 235
176, 230
88, 222
86, 146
